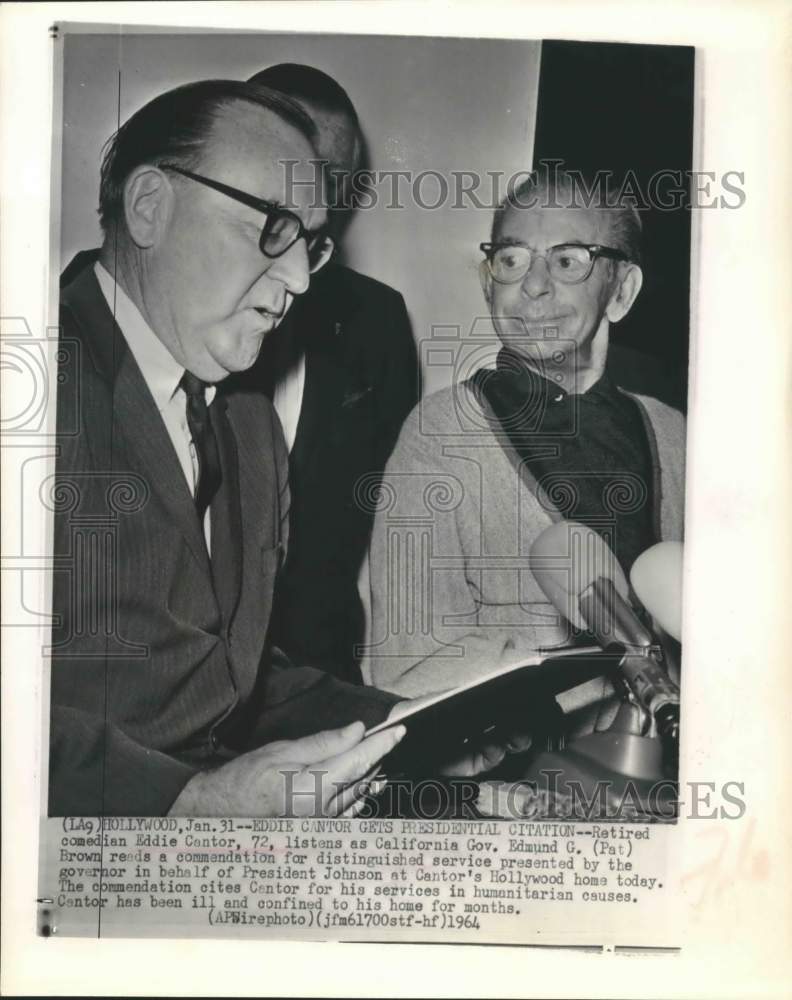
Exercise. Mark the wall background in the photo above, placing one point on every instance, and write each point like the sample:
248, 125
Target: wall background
628, 109
425, 104
445, 105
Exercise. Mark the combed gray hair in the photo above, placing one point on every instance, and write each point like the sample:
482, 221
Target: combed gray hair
551, 187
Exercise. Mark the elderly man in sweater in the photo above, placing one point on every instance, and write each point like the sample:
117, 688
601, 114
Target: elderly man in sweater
483, 467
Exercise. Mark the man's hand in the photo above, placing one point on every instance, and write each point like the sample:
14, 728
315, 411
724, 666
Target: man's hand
326, 774
482, 755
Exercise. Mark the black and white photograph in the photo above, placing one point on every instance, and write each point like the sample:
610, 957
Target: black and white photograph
363, 450
437, 453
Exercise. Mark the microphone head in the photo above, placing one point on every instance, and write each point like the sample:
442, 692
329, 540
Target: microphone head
566, 558
656, 577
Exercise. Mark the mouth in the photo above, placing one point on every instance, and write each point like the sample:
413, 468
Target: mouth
543, 320
266, 313
267, 319
526, 319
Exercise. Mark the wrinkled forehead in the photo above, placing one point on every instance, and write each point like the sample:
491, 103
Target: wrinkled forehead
546, 225
255, 150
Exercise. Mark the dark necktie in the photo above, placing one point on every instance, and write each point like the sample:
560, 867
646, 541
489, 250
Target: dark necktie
203, 436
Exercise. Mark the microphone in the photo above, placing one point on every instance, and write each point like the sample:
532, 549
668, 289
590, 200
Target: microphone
582, 578
656, 578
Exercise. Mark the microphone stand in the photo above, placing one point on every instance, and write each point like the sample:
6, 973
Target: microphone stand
629, 770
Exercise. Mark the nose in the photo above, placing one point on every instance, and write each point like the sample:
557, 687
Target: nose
537, 280
292, 268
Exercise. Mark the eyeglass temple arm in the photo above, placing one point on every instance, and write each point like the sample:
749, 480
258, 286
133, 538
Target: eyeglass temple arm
595, 249
241, 196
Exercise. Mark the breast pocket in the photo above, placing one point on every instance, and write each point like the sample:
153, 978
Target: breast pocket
258, 581
354, 431
270, 564
255, 605
271, 560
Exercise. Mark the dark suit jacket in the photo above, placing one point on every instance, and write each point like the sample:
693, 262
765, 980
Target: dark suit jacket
160, 662
361, 380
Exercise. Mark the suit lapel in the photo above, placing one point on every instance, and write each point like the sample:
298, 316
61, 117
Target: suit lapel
329, 379
226, 515
323, 396
147, 437
135, 416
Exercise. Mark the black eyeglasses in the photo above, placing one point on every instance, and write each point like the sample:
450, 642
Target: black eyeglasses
570, 263
282, 228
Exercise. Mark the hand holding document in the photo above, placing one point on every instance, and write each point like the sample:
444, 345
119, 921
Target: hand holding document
471, 726
325, 774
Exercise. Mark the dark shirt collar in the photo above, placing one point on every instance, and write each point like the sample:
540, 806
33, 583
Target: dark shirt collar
528, 381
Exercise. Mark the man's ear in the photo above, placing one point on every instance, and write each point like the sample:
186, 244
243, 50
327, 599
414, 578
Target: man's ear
628, 284
486, 281
148, 199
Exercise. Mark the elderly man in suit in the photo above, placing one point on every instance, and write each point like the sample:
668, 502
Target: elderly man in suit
171, 497
342, 371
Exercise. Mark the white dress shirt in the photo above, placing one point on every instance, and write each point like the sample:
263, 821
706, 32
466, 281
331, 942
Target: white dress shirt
162, 374
287, 399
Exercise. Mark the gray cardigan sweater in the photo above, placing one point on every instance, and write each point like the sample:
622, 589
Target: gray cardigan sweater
451, 593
